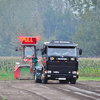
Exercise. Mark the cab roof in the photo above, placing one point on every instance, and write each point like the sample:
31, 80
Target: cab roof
61, 43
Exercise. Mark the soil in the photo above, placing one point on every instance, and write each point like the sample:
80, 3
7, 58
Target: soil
29, 90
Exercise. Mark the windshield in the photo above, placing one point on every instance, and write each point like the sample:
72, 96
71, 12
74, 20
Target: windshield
29, 51
62, 51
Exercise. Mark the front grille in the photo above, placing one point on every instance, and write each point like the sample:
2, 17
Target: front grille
62, 67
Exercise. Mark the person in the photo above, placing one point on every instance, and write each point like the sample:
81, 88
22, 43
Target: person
34, 61
44, 61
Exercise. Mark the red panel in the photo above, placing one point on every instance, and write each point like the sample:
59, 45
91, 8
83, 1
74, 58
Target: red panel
28, 40
31, 68
16, 71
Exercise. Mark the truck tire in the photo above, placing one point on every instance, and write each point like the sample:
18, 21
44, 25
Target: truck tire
43, 80
73, 81
36, 79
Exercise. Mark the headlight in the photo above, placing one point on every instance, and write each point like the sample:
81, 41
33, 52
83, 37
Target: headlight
74, 76
73, 72
49, 71
73, 59
51, 58
48, 75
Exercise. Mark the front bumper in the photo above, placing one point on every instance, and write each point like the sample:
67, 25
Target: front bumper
61, 76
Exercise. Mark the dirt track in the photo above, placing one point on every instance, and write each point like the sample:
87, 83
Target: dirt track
28, 90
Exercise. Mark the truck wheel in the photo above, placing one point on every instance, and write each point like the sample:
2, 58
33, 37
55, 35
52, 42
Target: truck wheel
34, 75
73, 81
36, 79
43, 80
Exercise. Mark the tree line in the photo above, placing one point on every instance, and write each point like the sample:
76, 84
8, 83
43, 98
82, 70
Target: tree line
76, 20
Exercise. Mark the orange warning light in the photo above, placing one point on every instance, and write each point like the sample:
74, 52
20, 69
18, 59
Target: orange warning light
37, 37
20, 38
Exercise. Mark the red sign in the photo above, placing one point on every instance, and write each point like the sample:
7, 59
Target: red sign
28, 40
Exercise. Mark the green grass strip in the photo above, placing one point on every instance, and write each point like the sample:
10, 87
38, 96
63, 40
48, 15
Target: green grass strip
89, 79
6, 76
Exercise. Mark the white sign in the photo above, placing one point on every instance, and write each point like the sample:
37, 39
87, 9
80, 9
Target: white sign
62, 58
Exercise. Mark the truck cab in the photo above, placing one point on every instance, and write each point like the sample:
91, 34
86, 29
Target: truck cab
61, 61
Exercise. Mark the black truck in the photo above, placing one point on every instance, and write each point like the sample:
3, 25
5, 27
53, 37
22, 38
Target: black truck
59, 62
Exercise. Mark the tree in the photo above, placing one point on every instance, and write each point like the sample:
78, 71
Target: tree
18, 18
66, 24
58, 21
88, 34
79, 7
49, 21
96, 8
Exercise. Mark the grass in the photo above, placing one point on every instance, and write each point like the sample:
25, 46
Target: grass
6, 76
89, 79
7, 67
89, 67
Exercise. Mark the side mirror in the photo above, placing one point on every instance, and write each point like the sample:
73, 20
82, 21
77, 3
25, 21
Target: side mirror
42, 52
16, 48
45, 49
80, 51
